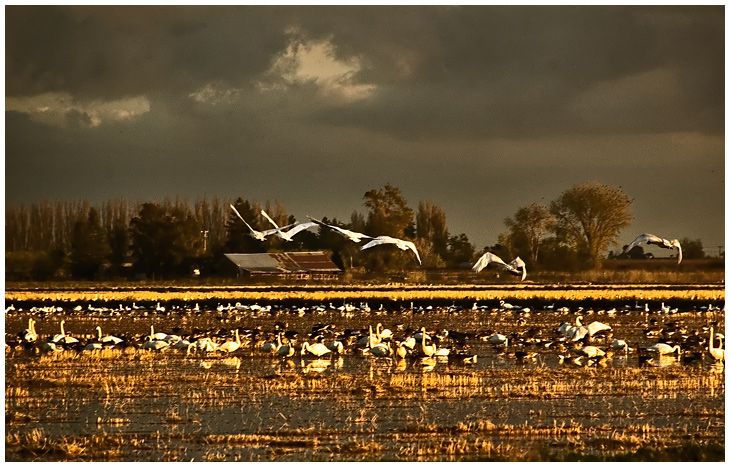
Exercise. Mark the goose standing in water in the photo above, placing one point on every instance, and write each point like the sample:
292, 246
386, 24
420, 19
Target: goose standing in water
272, 347
108, 340
62, 338
718, 353
29, 334
318, 349
427, 350
663, 349
231, 346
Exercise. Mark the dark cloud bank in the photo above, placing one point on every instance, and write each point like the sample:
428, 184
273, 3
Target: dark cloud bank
478, 109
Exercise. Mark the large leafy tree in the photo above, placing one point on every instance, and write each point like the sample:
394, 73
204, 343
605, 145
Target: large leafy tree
388, 214
692, 249
460, 251
89, 246
527, 230
589, 218
432, 233
163, 237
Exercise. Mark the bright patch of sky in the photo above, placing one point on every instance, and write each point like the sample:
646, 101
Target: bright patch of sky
61, 109
314, 62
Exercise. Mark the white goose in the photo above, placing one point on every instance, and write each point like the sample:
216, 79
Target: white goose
580, 330
108, 340
354, 236
650, 239
157, 336
386, 240
62, 338
427, 350
516, 267
589, 351
289, 234
381, 350
261, 236
664, 349
272, 347
29, 334
718, 353
205, 344
383, 333
370, 340
498, 340
231, 346
317, 349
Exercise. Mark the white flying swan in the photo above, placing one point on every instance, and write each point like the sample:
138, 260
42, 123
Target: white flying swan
661, 242
261, 236
516, 267
384, 239
289, 234
354, 236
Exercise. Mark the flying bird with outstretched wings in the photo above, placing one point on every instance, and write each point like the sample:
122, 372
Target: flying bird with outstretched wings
354, 236
650, 239
261, 236
289, 234
385, 240
516, 266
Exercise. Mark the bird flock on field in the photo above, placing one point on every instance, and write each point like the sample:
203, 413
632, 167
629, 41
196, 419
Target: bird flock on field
574, 343
516, 267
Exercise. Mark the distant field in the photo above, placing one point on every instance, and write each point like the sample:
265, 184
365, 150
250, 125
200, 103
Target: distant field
701, 293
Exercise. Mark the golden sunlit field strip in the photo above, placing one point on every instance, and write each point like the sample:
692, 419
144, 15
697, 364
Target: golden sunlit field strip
392, 293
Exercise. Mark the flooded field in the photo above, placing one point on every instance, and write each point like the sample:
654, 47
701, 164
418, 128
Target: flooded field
533, 398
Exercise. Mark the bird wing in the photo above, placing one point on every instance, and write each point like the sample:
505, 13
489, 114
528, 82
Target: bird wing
377, 241
644, 238
658, 241
354, 236
244, 221
299, 227
263, 213
412, 246
596, 326
679, 251
402, 244
519, 267
485, 259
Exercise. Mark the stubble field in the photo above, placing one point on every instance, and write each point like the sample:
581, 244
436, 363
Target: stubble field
130, 404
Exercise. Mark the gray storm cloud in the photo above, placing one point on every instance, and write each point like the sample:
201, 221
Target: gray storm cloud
316, 105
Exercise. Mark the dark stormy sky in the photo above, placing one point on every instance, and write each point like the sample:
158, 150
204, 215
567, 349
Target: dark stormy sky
481, 110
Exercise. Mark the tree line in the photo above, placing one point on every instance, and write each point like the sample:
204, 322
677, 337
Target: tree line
168, 239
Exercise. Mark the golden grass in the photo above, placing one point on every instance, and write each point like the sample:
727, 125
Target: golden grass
394, 292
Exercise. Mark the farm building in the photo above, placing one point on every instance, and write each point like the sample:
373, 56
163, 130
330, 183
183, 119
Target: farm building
314, 265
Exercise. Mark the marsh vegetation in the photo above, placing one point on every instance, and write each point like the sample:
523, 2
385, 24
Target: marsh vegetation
130, 404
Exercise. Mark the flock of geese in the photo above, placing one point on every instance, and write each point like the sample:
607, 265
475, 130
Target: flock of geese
574, 343
515, 267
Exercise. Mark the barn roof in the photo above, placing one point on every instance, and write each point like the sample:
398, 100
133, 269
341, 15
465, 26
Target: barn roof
285, 262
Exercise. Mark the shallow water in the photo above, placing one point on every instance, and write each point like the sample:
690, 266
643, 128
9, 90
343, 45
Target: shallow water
249, 406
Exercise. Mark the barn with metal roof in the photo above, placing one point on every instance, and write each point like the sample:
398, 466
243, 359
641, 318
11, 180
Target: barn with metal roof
289, 264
